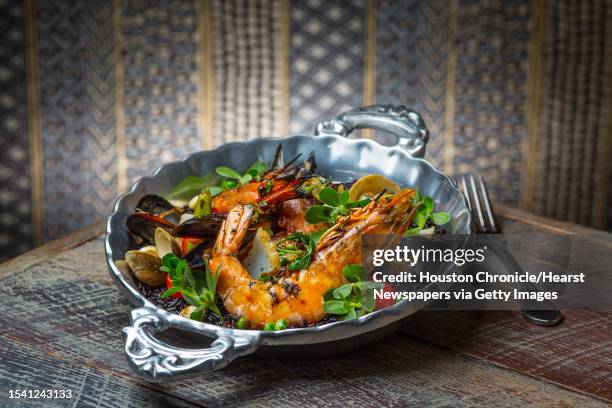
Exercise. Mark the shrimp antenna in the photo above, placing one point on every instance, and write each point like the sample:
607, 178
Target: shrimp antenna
380, 194
277, 163
291, 162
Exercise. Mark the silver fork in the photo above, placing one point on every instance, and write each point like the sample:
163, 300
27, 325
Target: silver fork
477, 194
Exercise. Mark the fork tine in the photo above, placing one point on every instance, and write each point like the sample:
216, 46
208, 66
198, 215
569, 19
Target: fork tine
487, 203
482, 227
464, 189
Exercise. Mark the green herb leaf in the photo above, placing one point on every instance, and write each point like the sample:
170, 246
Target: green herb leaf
198, 289
189, 278
351, 314
329, 196
190, 186
316, 214
227, 172
338, 307
343, 291
369, 285
353, 273
420, 220
246, 179
412, 231
360, 203
214, 190
440, 218
228, 184
344, 197
428, 204
197, 314
170, 292
257, 169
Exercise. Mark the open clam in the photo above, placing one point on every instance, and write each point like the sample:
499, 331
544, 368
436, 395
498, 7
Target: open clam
145, 267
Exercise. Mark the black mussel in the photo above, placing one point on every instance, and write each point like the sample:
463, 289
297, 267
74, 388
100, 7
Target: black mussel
143, 225
154, 204
195, 257
204, 227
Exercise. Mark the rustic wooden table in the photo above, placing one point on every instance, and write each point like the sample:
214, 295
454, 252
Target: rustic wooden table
61, 326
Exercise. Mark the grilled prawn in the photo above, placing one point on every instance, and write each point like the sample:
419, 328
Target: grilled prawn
298, 296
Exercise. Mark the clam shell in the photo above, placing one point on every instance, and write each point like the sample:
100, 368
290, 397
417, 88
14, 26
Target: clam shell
145, 267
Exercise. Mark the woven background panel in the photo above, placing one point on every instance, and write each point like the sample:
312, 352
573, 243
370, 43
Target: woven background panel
118, 88
490, 87
570, 166
15, 205
160, 89
249, 62
412, 47
74, 111
325, 60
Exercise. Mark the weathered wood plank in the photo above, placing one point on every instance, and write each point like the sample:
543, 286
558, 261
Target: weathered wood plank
30, 368
52, 248
576, 354
63, 329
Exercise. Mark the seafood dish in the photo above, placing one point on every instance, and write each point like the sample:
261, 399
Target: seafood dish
246, 253
269, 247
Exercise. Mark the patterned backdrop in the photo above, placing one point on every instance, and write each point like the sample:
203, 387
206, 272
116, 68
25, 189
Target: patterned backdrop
95, 93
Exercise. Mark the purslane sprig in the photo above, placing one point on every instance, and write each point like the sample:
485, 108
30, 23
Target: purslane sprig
198, 288
353, 299
334, 205
425, 212
234, 179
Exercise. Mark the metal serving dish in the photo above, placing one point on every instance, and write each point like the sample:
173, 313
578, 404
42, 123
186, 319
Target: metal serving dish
337, 156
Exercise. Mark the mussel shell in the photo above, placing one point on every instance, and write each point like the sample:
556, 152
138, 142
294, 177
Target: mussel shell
143, 225
204, 227
154, 204
195, 257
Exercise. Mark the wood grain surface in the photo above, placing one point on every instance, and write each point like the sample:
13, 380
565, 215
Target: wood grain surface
61, 328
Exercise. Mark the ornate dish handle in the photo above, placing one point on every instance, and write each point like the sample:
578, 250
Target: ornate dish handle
159, 362
400, 121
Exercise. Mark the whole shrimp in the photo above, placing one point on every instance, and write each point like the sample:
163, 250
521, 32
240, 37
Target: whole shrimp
298, 297
255, 192
276, 185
